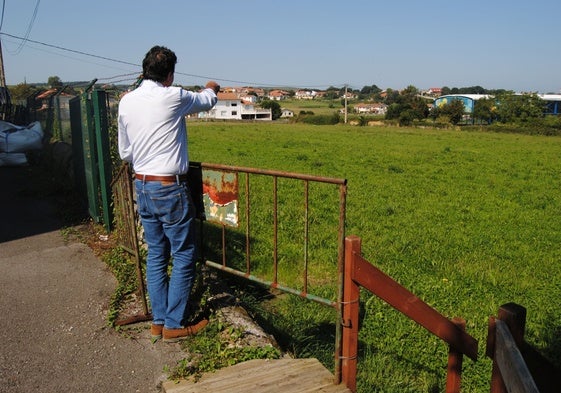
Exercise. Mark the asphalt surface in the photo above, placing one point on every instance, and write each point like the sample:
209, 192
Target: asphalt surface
54, 296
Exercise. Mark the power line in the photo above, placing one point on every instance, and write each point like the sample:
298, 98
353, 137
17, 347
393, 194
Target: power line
68, 56
247, 83
70, 50
115, 60
29, 27
119, 76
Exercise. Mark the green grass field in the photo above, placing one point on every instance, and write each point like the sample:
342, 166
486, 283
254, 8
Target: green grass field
467, 221
318, 107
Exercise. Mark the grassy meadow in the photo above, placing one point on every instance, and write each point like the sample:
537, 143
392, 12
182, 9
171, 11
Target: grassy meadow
318, 107
467, 221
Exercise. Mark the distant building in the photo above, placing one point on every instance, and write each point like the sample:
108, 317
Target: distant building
286, 113
249, 98
232, 107
434, 91
467, 99
349, 95
305, 94
278, 95
45, 99
376, 109
553, 103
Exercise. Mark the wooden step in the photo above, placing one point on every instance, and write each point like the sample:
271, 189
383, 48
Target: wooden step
263, 376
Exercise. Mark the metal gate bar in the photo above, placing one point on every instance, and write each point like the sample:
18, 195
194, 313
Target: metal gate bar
306, 179
127, 235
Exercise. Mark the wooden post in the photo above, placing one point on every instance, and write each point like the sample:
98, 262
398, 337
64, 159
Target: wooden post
497, 384
455, 361
514, 316
351, 294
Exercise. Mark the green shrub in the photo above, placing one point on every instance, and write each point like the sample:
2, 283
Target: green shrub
320, 119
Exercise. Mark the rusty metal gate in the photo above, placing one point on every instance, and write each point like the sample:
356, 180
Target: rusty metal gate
229, 194
124, 210
224, 204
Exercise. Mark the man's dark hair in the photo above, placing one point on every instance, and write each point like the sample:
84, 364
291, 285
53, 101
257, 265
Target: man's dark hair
158, 63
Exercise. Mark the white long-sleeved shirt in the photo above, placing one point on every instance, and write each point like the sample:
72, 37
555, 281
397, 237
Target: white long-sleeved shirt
152, 132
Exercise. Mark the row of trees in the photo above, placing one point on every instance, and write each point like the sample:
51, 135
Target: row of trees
501, 106
374, 93
410, 105
405, 106
22, 91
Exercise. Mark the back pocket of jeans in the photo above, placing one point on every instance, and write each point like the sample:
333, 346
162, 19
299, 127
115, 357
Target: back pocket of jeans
170, 207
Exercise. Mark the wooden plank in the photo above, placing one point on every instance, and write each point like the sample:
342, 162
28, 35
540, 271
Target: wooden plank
264, 376
516, 376
397, 296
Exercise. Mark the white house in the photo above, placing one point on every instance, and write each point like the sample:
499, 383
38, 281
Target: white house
286, 113
249, 98
305, 94
231, 107
378, 109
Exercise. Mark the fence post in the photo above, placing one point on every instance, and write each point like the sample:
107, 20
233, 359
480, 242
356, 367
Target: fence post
514, 316
351, 295
455, 362
101, 124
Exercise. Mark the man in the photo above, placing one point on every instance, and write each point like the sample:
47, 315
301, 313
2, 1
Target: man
153, 137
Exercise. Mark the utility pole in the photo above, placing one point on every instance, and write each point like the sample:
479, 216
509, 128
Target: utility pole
2, 75
4, 92
345, 104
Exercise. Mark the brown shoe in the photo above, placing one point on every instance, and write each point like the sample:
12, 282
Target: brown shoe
156, 331
174, 335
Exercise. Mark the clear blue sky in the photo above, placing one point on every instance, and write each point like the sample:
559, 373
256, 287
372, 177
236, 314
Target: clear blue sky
497, 44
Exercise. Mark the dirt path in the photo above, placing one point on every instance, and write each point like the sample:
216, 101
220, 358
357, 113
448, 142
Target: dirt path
53, 299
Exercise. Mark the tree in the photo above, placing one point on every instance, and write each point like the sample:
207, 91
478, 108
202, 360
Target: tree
54, 81
406, 105
21, 91
393, 111
406, 117
332, 93
484, 110
274, 106
391, 96
454, 110
519, 107
369, 91
410, 91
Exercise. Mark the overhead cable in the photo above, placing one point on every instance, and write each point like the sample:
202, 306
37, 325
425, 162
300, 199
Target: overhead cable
29, 27
247, 83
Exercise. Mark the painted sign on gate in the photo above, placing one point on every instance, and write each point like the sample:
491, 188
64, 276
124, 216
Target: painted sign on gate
220, 197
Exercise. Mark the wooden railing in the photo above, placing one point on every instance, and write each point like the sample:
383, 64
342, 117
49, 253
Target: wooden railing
361, 273
517, 367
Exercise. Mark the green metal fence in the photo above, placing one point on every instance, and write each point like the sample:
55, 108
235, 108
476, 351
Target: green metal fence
92, 159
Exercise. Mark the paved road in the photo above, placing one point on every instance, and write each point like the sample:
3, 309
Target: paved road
54, 294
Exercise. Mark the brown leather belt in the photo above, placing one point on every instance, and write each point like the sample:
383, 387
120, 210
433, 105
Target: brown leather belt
173, 178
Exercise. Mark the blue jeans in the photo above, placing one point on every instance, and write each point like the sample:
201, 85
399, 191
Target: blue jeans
167, 215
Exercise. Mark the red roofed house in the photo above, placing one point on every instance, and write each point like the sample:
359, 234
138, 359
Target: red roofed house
278, 95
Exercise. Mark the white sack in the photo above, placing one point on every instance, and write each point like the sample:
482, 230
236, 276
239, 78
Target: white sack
13, 159
20, 139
